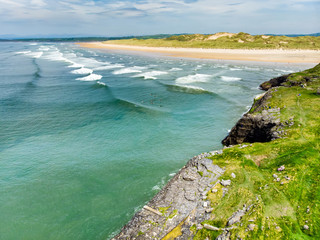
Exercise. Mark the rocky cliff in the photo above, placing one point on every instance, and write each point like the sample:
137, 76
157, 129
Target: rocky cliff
248, 191
262, 122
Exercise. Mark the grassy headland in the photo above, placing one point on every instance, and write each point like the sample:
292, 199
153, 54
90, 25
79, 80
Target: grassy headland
285, 205
227, 41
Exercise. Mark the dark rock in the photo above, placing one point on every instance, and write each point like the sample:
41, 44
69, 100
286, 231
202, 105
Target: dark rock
274, 82
253, 128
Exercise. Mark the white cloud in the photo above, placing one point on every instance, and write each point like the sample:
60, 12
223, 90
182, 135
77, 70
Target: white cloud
38, 3
178, 15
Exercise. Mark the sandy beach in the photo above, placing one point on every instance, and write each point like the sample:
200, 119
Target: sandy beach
265, 55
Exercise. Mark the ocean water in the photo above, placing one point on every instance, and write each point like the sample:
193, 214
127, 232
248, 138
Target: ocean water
87, 137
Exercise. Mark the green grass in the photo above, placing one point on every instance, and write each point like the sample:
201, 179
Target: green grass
279, 210
237, 41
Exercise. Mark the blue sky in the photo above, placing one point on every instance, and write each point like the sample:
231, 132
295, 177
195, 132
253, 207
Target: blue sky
141, 17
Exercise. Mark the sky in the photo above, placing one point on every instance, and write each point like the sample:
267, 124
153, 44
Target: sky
143, 17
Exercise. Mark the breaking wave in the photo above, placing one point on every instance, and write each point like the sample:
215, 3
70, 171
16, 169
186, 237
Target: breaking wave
193, 78
230, 79
91, 77
151, 75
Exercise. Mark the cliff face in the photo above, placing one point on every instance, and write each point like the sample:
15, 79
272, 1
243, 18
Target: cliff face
262, 123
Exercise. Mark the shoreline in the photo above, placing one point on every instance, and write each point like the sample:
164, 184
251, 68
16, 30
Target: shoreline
211, 198
256, 55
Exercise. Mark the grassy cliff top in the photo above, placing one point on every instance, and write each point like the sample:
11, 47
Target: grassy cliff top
285, 206
228, 41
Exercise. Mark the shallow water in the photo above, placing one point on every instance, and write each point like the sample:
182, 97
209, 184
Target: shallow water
87, 137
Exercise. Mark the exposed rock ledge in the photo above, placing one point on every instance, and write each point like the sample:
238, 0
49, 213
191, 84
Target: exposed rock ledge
181, 203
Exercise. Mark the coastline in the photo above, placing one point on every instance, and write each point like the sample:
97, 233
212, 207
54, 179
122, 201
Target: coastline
257, 55
193, 204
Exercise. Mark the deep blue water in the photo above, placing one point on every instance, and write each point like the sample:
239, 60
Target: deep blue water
87, 137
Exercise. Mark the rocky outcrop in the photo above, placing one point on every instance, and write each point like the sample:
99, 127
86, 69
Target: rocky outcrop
260, 124
181, 203
294, 79
274, 82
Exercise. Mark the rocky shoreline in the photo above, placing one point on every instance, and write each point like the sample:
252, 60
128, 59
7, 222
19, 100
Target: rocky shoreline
178, 210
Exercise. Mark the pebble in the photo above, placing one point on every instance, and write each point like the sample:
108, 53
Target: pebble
225, 182
214, 190
209, 210
205, 204
199, 227
251, 227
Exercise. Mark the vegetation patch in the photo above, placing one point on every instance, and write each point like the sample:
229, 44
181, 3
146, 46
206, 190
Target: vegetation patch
227, 41
277, 183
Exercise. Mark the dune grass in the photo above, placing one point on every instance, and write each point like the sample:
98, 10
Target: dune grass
285, 209
237, 41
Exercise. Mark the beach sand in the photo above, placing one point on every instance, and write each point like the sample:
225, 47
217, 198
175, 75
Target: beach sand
265, 55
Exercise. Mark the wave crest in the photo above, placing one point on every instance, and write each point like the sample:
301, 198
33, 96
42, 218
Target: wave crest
230, 79
193, 78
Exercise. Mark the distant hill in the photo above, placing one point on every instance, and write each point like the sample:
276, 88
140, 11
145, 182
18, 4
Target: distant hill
227, 40
82, 39
295, 35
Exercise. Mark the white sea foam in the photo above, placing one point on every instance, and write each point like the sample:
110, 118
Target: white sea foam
109, 67
175, 69
33, 44
192, 87
91, 77
193, 78
101, 83
90, 62
31, 54
235, 69
23, 52
230, 79
156, 188
134, 69
151, 75
285, 71
75, 65
82, 71
36, 54
56, 56
44, 48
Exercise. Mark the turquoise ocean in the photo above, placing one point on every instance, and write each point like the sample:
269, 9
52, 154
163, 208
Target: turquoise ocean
87, 137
